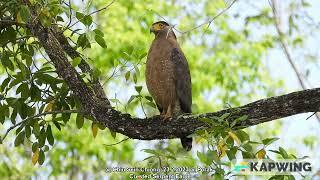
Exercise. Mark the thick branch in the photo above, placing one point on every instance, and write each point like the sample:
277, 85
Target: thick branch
155, 128
84, 66
258, 112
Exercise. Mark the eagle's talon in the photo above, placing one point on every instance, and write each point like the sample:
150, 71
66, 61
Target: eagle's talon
165, 117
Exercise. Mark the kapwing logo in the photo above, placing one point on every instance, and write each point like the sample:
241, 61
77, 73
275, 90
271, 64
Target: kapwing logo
241, 167
270, 167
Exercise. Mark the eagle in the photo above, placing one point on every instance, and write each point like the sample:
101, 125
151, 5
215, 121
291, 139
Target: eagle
168, 76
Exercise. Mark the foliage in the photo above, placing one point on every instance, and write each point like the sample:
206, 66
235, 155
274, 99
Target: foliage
227, 63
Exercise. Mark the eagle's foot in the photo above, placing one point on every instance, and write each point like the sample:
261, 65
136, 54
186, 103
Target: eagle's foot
166, 117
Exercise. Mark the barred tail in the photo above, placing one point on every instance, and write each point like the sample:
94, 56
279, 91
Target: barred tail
186, 143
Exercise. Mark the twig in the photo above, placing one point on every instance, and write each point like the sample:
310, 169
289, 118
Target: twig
142, 108
311, 115
159, 15
70, 15
284, 45
38, 115
104, 8
286, 48
169, 30
207, 22
117, 142
18, 38
5, 23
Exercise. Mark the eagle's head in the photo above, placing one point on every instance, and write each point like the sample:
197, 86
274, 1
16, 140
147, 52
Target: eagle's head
160, 26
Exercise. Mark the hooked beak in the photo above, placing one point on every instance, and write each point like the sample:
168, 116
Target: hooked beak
151, 30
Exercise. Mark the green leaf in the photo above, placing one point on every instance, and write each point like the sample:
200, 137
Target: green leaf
13, 116
19, 139
283, 153
100, 41
224, 116
151, 104
50, 137
83, 41
22, 88
113, 134
41, 157
45, 148
127, 75
59, 18
247, 147
79, 16
151, 151
35, 146
242, 135
247, 155
101, 126
203, 158
6, 62
232, 153
76, 61
142, 55
57, 124
65, 117
28, 131
24, 13
35, 93
131, 98
269, 141
239, 119
149, 98
46, 78
87, 20
42, 137
5, 84
98, 32
79, 121
138, 88
135, 79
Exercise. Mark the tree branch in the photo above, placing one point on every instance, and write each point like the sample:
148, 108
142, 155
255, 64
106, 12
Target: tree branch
102, 9
209, 21
84, 66
285, 48
4, 23
155, 127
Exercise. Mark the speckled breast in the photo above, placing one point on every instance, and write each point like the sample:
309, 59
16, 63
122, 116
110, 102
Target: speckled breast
160, 75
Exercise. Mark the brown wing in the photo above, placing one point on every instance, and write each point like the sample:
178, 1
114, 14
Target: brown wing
182, 80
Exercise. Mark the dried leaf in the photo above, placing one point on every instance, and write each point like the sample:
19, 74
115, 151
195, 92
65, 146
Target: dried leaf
35, 157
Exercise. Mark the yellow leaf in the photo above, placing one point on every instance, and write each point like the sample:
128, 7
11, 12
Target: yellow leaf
222, 147
234, 137
261, 154
45, 12
49, 106
19, 19
199, 140
94, 129
35, 157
